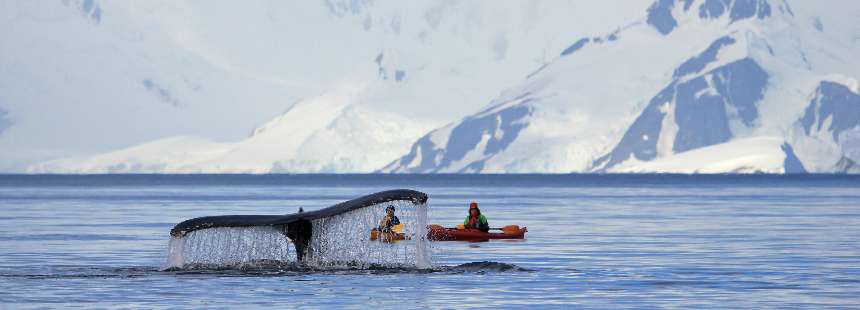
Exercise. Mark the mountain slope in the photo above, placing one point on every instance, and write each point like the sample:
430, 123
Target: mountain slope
327, 133
827, 137
86, 77
695, 86
694, 83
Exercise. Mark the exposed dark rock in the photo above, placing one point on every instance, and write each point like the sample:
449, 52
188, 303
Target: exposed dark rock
834, 101
575, 46
791, 163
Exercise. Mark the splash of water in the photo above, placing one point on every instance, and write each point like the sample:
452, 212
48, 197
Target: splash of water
342, 240
229, 246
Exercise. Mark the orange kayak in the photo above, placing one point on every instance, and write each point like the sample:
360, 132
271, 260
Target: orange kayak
386, 236
439, 233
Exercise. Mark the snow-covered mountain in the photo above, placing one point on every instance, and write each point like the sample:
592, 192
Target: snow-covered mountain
327, 133
692, 86
85, 78
709, 86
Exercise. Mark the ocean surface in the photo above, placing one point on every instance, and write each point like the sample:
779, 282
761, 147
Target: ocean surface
597, 241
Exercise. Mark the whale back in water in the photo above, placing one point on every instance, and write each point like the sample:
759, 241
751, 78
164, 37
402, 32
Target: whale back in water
298, 226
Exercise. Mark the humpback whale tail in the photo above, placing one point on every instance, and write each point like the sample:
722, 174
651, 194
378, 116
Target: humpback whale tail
333, 235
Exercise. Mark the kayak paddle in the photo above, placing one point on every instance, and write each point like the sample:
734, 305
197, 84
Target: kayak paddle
509, 230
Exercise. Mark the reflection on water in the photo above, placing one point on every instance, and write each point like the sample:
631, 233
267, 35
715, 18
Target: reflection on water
647, 241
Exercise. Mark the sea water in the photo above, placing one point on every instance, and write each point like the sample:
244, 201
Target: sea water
600, 241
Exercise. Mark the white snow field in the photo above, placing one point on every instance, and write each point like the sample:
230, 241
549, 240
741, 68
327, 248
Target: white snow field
668, 86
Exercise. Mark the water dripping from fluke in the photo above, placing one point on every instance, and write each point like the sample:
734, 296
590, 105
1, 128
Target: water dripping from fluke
329, 238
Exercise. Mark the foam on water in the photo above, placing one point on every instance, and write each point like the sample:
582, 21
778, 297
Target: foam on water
337, 241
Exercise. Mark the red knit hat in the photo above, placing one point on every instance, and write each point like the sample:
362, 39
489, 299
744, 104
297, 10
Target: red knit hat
473, 205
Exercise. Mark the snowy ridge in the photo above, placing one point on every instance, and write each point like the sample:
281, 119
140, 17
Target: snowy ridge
136, 72
729, 108
703, 107
300, 140
175, 155
468, 144
689, 86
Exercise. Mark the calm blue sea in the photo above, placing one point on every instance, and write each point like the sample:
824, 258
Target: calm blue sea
597, 241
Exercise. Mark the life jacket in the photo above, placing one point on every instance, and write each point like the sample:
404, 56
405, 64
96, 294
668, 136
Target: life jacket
479, 221
473, 221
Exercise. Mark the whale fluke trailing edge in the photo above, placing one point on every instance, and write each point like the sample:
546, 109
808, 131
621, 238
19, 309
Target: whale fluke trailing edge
297, 226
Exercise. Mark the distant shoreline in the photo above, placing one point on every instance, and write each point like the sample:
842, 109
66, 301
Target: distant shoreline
432, 180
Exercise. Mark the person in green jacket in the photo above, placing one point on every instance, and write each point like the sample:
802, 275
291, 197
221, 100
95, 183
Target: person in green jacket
476, 220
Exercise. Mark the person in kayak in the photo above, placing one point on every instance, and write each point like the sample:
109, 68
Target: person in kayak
476, 220
389, 221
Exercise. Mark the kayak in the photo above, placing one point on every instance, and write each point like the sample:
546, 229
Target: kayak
439, 233
396, 234
386, 236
